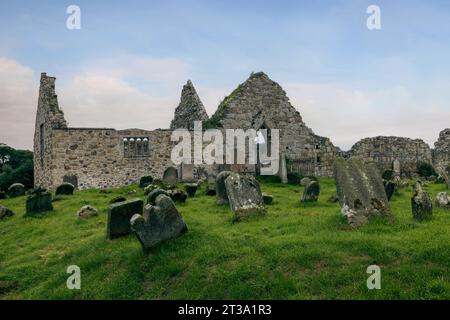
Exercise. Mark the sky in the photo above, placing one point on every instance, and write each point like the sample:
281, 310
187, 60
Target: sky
126, 66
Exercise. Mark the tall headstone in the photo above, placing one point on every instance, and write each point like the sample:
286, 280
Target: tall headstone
396, 168
422, 206
221, 191
170, 175
360, 190
244, 196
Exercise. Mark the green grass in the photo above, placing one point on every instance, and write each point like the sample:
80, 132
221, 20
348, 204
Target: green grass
296, 251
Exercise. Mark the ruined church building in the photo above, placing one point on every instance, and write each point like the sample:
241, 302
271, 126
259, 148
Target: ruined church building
105, 157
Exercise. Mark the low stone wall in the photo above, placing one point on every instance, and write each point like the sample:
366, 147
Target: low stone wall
384, 150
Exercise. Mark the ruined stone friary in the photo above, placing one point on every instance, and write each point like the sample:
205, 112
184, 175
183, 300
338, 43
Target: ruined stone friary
105, 157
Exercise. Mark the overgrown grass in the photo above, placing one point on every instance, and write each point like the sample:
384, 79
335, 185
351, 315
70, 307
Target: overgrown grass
296, 251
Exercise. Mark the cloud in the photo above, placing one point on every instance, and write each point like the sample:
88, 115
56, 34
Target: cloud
18, 101
347, 115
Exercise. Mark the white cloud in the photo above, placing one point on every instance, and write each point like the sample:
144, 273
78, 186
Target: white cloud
347, 115
18, 101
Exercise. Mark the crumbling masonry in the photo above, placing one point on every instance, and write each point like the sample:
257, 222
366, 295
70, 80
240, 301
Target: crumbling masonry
105, 157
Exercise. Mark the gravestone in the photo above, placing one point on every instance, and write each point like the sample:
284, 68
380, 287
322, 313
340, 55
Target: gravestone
221, 192
119, 215
422, 207
65, 189
150, 188
360, 190
159, 222
5, 212
87, 211
16, 190
191, 189
311, 192
151, 198
396, 168
267, 198
178, 195
389, 188
72, 179
244, 196
305, 181
144, 181
170, 175
187, 172
117, 200
38, 201
443, 200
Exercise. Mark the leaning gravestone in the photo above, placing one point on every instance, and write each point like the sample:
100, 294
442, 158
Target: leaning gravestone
5, 212
221, 192
159, 222
170, 175
119, 215
360, 191
65, 188
422, 207
311, 192
191, 189
38, 201
151, 198
244, 196
16, 190
443, 200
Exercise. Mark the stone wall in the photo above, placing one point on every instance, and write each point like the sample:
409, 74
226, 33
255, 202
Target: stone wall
384, 150
96, 156
48, 116
259, 103
441, 152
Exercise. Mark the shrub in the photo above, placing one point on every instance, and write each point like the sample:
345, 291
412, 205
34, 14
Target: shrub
425, 170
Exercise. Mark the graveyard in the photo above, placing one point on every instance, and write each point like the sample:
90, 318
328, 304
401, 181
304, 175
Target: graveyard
295, 250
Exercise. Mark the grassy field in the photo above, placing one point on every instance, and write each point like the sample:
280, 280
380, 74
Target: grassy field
296, 251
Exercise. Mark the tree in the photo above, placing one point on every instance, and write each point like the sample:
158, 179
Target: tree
15, 166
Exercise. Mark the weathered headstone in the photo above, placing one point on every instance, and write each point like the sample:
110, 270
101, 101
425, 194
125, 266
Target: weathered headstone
311, 192
151, 198
5, 212
221, 192
150, 188
65, 189
16, 190
396, 168
244, 196
178, 195
389, 187
443, 200
117, 199
187, 172
72, 179
422, 206
159, 222
144, 181
191, 189
170, 175
305, 181
87, 211
267, 198
360, 191
38, 201
119, 215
